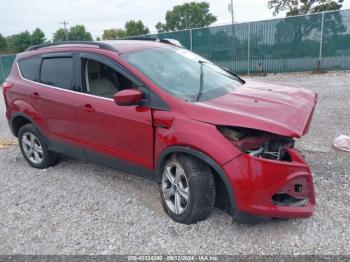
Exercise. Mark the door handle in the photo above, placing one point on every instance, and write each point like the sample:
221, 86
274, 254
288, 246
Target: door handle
87, 108
36, 95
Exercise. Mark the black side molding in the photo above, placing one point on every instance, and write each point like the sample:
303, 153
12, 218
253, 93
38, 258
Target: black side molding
120, 165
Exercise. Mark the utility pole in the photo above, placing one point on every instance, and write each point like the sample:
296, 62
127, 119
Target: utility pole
64, 23
230, 9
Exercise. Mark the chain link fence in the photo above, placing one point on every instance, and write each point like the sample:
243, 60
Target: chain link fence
5, 66
312, 42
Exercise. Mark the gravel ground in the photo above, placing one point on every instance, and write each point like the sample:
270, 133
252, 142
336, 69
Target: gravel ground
81, 208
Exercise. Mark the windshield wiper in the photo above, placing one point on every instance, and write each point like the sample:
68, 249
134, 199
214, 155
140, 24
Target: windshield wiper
233, 74
201, 85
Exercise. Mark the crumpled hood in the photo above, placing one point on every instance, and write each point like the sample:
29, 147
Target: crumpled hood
283, 110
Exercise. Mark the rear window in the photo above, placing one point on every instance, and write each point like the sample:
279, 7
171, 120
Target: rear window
57, 72
30, 68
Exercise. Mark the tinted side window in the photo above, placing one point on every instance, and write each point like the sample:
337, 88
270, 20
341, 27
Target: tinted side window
57, 72
30, 68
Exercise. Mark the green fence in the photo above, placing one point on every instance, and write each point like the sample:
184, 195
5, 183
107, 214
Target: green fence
5, 66
301, 43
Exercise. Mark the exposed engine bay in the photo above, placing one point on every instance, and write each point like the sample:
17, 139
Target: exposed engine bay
259, 143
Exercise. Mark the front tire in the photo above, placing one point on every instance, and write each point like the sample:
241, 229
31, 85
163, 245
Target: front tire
187, 189
34, 148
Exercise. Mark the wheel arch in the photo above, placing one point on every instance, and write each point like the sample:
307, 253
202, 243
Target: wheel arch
18, 120
23, 112
225, 195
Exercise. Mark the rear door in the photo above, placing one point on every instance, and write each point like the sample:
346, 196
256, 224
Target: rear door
55, 99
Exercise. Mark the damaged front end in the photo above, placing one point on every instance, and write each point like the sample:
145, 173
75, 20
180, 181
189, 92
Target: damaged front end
259, 143
277, 180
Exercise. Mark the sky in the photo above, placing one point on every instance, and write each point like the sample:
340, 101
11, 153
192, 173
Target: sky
97, 15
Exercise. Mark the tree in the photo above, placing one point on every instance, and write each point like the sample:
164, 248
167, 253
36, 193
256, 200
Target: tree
113, 33
161, 27
19, 42
59, 35
292, 34
185, 16
133, 28
79, 33
301, 7
3, 44
37, 37
75, 33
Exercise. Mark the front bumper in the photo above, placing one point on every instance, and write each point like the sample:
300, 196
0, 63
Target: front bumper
257, 181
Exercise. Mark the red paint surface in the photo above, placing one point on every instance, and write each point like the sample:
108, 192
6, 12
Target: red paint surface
139, 134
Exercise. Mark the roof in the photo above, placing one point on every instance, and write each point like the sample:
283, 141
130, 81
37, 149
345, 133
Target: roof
117, 46
120, 46
124, 46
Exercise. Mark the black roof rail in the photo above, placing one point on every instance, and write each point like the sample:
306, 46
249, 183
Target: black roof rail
140, 38
95, 43
170, 41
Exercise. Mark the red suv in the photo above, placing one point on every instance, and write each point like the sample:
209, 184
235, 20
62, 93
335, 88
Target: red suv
208, 137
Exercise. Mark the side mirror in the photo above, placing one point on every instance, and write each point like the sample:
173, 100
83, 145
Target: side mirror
128, 97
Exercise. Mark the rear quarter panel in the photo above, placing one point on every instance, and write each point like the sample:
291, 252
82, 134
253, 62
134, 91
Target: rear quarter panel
18, 98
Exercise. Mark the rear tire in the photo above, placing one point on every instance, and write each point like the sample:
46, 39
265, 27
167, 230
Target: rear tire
34, 148
187, 189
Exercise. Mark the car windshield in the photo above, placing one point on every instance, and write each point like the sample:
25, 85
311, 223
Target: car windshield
178, 72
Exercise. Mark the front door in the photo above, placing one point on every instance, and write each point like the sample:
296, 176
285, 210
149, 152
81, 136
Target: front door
119, 136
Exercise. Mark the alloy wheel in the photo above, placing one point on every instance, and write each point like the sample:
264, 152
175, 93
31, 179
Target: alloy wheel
32, 148
175, 187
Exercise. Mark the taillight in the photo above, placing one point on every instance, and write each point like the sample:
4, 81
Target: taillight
6, 86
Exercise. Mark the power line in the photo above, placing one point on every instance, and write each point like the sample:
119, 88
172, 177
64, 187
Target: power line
64, 23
